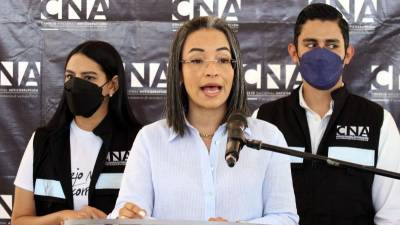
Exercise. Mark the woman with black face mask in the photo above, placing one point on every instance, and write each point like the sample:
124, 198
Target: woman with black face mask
72, 166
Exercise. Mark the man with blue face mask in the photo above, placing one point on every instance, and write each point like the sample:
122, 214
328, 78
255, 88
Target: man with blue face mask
322, 117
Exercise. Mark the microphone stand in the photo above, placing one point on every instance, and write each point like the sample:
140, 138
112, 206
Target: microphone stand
256, 144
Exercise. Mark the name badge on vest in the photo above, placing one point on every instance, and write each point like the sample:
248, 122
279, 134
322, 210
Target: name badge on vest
294, 159
51, 188
109, 181
365, 157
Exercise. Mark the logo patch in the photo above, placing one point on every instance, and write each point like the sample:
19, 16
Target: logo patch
353, 133
117, 158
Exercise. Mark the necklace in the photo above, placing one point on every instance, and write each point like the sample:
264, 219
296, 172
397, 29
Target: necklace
204, 135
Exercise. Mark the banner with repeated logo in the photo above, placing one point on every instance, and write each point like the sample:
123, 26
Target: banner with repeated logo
37, 35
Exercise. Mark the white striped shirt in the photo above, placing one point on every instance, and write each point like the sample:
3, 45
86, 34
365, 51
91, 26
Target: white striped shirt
174, 177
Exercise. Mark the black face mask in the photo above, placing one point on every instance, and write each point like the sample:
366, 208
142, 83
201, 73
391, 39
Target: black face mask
83, 97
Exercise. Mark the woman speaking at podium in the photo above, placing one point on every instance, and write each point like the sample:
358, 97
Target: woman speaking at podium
177, 168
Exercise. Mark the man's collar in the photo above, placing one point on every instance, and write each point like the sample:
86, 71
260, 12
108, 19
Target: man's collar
304, 105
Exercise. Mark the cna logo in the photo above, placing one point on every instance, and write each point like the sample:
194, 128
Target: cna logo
386, 78
74, 9
183, 10
19, 74
117, 158
5, 206
147, 78
357, 11
354, 133
278, 79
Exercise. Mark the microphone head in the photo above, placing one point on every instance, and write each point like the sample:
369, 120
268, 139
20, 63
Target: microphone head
230, 160
236, 124
239, 117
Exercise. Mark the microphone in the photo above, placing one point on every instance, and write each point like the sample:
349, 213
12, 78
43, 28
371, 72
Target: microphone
236, 124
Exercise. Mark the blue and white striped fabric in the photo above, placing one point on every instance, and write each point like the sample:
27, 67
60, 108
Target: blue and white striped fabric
174, 177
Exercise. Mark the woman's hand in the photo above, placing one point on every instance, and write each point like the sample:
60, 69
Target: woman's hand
217, 219
71, 214
93, 213
86, 212
131, 211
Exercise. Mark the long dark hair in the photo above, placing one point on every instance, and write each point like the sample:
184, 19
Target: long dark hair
110, 61
177, 98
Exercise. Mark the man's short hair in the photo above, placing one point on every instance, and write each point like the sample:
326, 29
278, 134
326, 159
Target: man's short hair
324, 12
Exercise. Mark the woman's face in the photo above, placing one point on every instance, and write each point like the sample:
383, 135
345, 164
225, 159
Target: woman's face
81, 66
207, 70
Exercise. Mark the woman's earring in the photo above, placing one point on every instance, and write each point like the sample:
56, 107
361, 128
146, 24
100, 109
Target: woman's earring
111, 95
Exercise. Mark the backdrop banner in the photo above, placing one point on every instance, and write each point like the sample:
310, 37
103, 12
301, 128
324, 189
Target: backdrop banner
37, 35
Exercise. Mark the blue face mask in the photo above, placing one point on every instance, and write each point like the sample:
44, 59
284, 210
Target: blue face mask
321, 68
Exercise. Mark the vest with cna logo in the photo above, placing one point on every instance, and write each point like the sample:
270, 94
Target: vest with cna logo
52, 168
327, 195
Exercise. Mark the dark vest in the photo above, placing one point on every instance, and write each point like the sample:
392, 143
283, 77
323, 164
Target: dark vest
52, 162
327, 195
